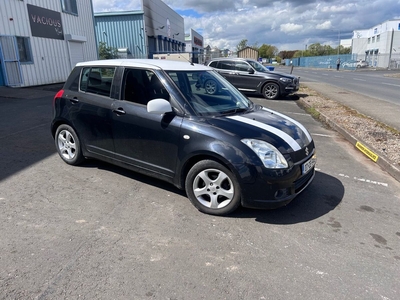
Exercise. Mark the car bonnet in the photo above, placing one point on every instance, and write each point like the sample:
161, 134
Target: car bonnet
264, 124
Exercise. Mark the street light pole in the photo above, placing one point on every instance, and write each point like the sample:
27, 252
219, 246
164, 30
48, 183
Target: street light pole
338, 49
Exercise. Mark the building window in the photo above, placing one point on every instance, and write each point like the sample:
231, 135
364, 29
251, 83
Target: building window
378, 38
24, 49
69, 6
373, 39
369, 40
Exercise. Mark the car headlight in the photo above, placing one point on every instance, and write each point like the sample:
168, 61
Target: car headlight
287, 80
269, 155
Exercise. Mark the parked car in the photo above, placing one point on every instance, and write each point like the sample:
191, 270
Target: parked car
249, 76
349, 64
151, 116
362, 64
355, 64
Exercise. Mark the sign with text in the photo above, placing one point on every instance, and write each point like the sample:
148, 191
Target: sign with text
45, 23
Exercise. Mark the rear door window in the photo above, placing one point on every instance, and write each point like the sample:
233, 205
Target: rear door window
226, 65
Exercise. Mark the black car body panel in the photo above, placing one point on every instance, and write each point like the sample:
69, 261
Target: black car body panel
198, 127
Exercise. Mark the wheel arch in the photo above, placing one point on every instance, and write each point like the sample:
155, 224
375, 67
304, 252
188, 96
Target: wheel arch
264, 83
57, 123
191, 161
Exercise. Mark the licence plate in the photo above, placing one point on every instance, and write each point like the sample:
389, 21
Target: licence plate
308, 165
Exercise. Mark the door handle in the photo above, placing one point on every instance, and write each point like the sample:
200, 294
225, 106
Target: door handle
72, 99
119, 111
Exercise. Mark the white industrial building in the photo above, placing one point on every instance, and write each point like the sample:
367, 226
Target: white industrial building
42, 40
379, 45
195, 45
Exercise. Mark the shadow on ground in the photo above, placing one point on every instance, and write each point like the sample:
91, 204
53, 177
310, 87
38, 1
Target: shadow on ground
323, 195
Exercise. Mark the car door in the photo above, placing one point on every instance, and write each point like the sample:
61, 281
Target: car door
245, 80
144, 140
89, 109
226, 68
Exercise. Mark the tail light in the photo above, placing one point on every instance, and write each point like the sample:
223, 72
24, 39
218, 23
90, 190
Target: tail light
59, 94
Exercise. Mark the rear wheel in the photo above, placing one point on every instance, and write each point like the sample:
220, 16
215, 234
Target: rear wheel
271, 91
212, 188
68, 145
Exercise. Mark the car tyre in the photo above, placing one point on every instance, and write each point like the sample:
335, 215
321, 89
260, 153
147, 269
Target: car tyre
271, 91
210, 86
212, 188
68, 145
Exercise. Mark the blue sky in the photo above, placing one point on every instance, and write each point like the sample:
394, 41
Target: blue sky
288, 25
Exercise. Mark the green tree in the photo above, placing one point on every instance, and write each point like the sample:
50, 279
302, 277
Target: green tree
287, 54
242, 44
106, 52
268, 51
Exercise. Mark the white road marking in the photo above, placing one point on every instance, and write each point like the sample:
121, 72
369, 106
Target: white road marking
390, 84
361, 179
365, 180
323, 135
359, 79
293, 113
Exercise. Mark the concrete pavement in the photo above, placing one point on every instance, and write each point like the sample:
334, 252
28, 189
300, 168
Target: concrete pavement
30, 92
382, 111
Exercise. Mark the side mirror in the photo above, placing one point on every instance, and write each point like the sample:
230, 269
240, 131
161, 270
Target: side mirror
159, 106
251, 70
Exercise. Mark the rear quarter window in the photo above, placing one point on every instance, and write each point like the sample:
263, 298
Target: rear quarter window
97, 80
72, 82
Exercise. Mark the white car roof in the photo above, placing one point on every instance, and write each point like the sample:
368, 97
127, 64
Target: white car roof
162, 64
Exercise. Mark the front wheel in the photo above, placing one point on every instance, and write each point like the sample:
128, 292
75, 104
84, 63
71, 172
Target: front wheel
212, 188
271, 91
68, 145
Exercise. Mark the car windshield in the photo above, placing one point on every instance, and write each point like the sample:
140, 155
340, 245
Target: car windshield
257, 66
209, 94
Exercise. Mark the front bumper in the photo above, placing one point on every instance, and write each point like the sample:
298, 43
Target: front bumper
273, 189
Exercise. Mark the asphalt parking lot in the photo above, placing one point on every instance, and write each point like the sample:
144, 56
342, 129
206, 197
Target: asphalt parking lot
102, 232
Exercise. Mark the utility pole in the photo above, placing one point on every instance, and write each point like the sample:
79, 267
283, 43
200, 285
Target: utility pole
338, 48
391, 48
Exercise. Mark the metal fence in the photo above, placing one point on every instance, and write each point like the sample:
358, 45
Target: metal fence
348, 61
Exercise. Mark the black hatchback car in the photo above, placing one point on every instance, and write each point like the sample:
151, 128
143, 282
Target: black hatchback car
155, 117
249, 76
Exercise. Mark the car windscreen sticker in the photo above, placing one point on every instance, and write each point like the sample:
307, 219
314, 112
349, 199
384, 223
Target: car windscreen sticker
283, 135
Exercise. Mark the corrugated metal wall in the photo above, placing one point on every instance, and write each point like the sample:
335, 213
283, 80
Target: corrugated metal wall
51, 57
122, 31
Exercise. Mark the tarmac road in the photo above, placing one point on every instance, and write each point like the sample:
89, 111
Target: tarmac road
101, 232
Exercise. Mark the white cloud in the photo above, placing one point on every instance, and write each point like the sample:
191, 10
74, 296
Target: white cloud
325, 25
290, 27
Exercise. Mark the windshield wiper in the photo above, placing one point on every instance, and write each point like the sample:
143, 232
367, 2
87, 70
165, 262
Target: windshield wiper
234, 111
